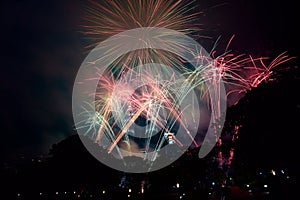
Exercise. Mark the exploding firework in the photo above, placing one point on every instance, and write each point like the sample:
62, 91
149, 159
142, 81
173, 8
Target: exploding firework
107, 18
150, 80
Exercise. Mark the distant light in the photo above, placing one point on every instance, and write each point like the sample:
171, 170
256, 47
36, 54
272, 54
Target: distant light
282, 171
183, 194
74, 192
103, 192
128, 195
209, 193
142, 190
56, 192
129, 190
250, 191
287, 177
65, 192
180, 197
230, 178
265, 186
213, 183
91, 195
169, 137
41, 193
247, 185
177, 185
78, 196
18, 194
260, 173
273, 172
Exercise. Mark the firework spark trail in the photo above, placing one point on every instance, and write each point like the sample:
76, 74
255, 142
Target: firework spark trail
241, 73
121, 134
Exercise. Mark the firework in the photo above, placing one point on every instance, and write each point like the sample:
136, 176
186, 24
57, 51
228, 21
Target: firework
107, 18
149, 80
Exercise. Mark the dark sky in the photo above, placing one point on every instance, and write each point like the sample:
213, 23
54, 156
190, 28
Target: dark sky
42, 49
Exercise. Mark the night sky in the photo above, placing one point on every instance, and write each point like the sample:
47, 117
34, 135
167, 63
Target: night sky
42, 49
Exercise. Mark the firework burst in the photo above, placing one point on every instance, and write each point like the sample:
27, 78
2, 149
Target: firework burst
107, 18
155, 88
